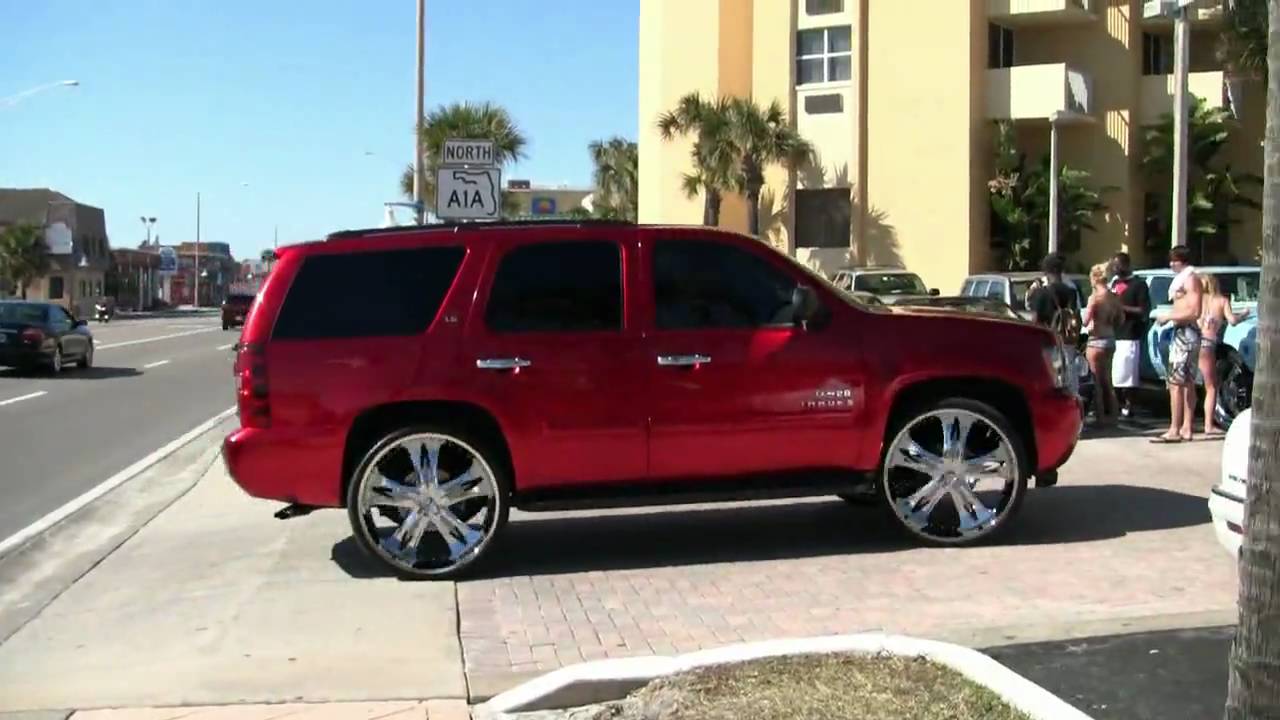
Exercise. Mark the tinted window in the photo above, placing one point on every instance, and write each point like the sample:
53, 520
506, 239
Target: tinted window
367, 293
557, 287
25, 313
995, 290
713, 285
55, 287
59, 319
979, 288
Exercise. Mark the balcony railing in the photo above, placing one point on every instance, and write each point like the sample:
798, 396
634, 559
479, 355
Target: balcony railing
1046, 12
1202, 12
1037, 92
1216, 88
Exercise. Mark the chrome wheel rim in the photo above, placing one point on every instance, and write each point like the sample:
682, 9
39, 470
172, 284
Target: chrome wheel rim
428, 503
951, 476
57, 360
88, 356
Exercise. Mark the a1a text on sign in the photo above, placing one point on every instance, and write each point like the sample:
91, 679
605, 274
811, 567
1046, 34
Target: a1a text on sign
472, 193
458, 151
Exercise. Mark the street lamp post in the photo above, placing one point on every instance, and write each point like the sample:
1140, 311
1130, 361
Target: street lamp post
19, 97
148, 222
417, 118
196, 299
1180, 11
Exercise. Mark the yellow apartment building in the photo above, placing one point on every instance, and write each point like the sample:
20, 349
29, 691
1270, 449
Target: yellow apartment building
900, 99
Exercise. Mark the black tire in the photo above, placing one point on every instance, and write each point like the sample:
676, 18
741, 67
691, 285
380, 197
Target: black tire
495, 461
993, 417
226, 326
1235, 388
86, 361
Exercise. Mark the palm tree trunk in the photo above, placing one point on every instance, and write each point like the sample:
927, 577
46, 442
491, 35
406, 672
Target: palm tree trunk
1253, 686
753, 210
711, 208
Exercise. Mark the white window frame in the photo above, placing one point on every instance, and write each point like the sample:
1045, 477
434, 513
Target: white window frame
825, 56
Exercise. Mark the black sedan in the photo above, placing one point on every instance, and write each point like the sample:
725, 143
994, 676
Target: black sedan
42, 335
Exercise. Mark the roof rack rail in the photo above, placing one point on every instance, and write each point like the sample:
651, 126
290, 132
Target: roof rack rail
459, 226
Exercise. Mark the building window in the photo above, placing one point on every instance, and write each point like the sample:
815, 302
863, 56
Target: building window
823, 218
824, 55
84, 288
55, 287
824, 104
999, 46
823, 7
1157, 55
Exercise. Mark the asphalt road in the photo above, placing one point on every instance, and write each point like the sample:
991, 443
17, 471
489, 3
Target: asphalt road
153, 379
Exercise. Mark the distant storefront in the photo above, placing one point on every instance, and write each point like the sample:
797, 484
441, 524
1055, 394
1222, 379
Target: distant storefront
76, 236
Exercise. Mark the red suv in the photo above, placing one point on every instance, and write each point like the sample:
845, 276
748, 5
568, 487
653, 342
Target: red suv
429, 379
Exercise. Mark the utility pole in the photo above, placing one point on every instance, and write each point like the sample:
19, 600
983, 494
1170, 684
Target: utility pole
196, 299
1181, 61
1054, 174
417, 118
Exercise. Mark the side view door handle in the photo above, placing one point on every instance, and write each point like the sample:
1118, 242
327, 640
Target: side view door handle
683, 360
512, 363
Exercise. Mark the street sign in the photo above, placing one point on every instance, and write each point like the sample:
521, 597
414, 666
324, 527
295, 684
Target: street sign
168, 261
458, 151
472, 193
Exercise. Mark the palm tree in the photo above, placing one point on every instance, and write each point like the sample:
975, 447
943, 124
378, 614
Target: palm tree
1242, 45
713, 154
617, 162
23, 256
1253, 685
735, 140
477, 121
762, 137
1214, 188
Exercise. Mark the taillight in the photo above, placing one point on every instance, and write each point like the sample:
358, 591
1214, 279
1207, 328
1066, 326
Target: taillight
251, 386
33, 335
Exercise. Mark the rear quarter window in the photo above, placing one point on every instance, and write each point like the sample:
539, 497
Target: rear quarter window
367, 294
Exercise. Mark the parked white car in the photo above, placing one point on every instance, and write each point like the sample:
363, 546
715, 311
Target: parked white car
1226, 500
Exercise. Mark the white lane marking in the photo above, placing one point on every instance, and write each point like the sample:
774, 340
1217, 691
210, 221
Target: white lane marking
108, 346
20, 398
157, 363
228, 346
109, 484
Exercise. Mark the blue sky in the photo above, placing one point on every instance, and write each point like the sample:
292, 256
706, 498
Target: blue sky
288, 96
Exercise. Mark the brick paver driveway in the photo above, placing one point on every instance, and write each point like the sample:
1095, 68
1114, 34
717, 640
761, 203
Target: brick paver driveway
1126, 534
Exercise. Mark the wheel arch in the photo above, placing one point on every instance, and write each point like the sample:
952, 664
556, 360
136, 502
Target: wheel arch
376, 422
999, 394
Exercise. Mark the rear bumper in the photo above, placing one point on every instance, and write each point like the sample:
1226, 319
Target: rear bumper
288, 465
1059, 420
19, 356
1227, 512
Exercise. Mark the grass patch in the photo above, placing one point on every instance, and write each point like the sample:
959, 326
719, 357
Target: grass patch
815, 687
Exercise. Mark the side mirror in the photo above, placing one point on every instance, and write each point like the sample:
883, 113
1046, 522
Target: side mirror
934, 292
81, 323
804, 303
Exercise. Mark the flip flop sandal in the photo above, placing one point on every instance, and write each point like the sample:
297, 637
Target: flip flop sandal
1166, 440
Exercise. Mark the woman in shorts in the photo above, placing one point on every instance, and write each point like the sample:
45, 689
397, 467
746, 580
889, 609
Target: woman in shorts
1102, 316
1215, 314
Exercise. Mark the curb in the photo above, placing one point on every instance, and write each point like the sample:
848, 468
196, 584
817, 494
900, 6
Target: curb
604, 680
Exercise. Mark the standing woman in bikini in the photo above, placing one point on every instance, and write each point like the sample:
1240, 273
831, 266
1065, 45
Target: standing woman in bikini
1102, 316
1215, 313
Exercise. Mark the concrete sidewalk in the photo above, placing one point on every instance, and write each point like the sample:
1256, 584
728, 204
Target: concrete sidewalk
216, 602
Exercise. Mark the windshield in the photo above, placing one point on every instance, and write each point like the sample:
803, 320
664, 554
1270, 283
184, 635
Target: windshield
25, 313
890, 284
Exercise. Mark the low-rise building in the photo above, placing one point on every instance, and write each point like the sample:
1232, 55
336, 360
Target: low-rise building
524, 200
76, 235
